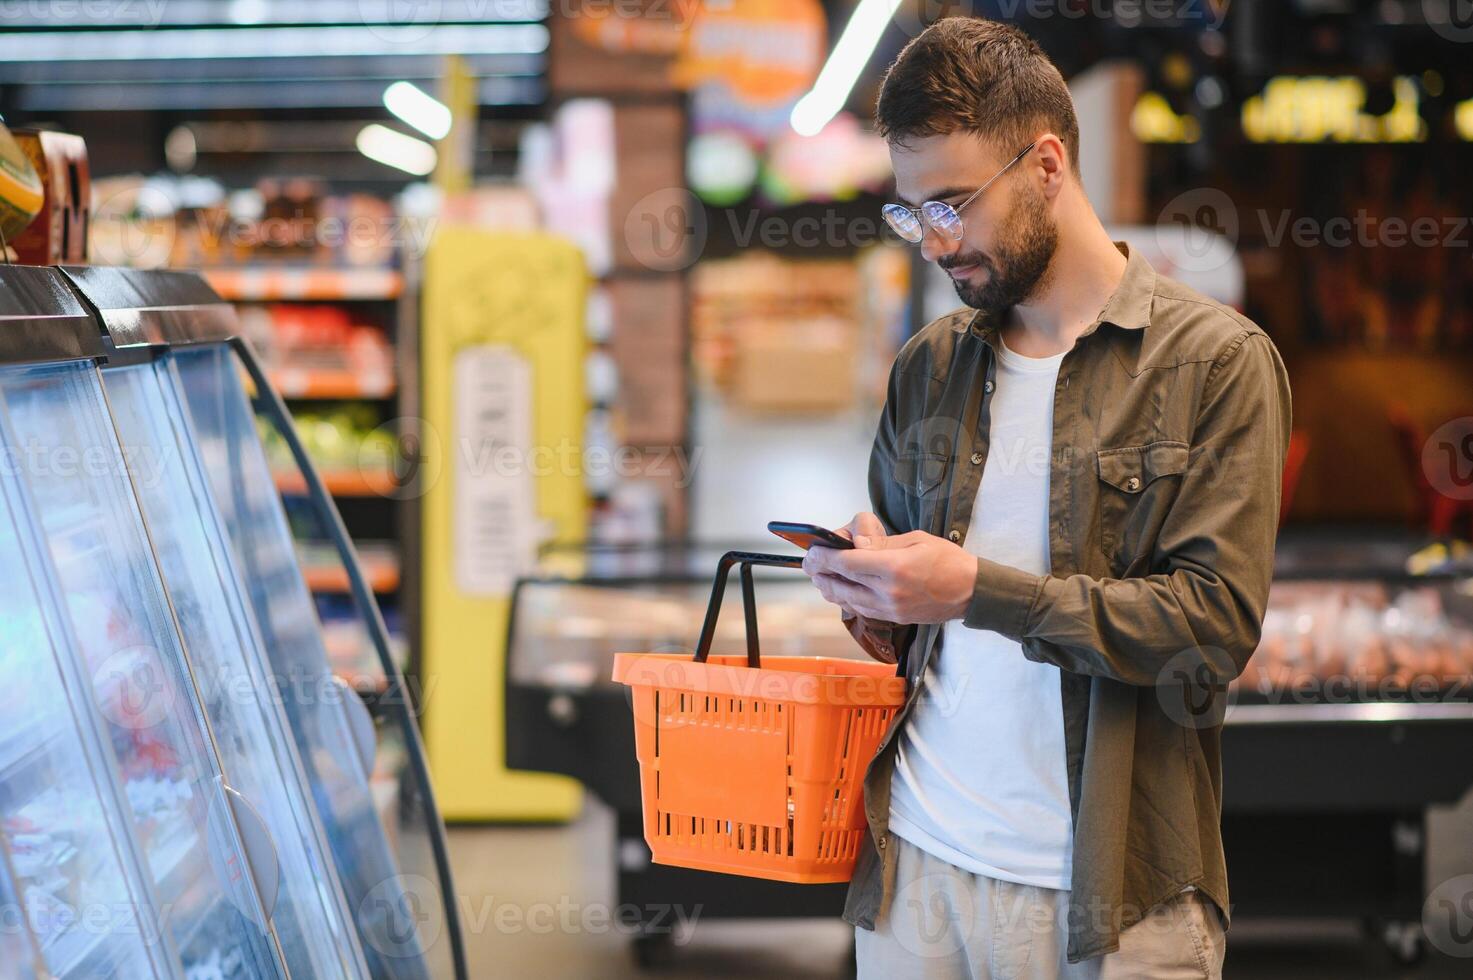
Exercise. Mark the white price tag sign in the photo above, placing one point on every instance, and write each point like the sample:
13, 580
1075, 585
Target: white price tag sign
495, 519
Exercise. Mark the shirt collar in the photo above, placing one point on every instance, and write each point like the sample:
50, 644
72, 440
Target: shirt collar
1129, 307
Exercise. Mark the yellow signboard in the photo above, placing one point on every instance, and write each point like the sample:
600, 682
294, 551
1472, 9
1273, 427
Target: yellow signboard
502, 351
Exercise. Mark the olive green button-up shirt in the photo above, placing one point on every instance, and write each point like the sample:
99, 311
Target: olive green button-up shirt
1170, 428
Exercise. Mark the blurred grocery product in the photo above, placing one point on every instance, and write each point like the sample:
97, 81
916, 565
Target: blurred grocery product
21, 190
59, 232
320, 350
1360, 641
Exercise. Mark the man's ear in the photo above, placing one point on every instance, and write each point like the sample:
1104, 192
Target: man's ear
1050, 162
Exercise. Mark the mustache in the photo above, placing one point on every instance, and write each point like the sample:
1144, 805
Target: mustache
958, 261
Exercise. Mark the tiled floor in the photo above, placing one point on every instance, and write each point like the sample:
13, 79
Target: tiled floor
537, 902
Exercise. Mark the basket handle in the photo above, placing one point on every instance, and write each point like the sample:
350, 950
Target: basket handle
746, 559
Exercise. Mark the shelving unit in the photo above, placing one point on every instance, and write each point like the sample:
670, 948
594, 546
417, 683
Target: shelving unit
379, 561
342, 483
383, 522
329, 386
269, 284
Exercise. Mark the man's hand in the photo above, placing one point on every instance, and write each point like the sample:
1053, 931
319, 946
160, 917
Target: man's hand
863, 529
908, 578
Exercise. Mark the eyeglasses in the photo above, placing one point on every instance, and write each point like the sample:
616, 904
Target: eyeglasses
910, 223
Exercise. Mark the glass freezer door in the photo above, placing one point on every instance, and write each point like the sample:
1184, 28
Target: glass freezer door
397, 902
19, 957
78, 487
258, 756
72, 885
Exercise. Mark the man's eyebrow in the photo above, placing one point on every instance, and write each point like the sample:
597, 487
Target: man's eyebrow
940, 195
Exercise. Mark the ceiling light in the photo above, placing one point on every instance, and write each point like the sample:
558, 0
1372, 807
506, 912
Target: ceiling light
416, 107
267, 42
829, 93
394, 149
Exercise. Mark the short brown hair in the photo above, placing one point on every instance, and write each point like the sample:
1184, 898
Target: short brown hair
965, 74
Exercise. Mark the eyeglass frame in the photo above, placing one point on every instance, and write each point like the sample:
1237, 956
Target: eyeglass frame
925, 222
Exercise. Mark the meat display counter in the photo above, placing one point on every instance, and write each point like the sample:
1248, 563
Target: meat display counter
185, 791
1355, 716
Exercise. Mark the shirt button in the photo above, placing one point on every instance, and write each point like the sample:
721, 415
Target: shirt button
955, 537
883, 839
976, 459
987, 387
1133, 484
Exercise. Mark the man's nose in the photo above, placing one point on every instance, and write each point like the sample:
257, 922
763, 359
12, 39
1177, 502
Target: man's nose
935, 245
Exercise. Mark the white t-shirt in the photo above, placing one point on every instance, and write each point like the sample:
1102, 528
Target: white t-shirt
980, 778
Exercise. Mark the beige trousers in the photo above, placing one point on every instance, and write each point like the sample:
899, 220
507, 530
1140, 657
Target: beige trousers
947, 924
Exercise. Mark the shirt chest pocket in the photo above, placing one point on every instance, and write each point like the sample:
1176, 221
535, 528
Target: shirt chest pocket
1137, 486
922, 476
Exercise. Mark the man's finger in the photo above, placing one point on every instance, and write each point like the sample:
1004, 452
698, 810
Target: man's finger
825, 584
855, 596
818, 560
906, 540
861, 564
873, 564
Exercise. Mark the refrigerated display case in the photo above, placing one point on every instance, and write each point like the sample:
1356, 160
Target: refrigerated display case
1326, 785
1354, 718
185, 790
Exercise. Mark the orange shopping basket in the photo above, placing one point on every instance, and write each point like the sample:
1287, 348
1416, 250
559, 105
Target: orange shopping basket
755, 767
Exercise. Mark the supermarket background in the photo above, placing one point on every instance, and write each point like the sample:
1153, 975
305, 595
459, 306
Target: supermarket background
566, 298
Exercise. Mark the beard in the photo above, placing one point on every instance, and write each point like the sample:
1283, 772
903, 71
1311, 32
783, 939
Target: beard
1020, 261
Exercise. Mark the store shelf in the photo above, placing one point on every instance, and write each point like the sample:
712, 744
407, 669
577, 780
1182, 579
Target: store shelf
343, 483
382, 575
334, 385
266, 284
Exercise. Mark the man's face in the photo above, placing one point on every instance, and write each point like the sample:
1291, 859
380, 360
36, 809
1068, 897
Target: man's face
1009, 235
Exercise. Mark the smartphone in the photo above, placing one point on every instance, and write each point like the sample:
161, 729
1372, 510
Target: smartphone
808, 536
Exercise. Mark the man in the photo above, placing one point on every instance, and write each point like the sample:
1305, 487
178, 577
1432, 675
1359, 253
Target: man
1076, 490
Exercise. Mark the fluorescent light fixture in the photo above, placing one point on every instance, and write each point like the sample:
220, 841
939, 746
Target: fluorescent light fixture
249, 11
198, 13
419, 109
829, 93
394, 149
268, 42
